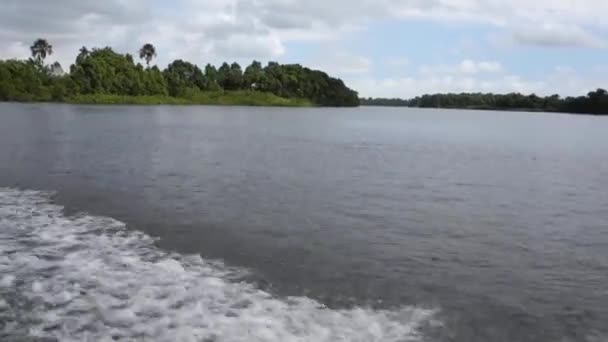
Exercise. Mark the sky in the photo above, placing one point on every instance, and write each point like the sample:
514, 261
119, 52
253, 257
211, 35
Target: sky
381, 48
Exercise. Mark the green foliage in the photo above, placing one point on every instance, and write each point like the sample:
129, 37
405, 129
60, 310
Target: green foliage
222, 75
234, 80
103, 71
108, 99
596, 102
211, 75
181, 76
254, 75
293, 80
245, 98
154, 82
195, 97
22, 81
101, 75
61, 88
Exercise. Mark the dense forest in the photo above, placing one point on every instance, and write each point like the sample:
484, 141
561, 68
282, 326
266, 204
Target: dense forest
101, 75
596, 102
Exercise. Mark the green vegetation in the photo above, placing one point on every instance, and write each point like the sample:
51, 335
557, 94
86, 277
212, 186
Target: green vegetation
102, 76
596, 102
228, 98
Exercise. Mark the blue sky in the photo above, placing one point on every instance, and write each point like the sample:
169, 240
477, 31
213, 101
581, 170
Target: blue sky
392, 48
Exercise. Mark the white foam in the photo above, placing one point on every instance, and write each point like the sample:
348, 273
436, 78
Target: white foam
7, 280
90, 279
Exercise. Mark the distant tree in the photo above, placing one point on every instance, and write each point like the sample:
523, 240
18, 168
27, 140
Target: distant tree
181, 77
223, 73
235, 77
596, 102
82, 54
147, 53
105, 71
272, 79
40, 50
211, 74
253, 76
22, 81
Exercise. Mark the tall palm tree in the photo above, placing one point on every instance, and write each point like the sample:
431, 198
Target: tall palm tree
147, 52
41, 49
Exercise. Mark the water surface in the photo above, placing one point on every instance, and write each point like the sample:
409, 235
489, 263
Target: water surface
269, 224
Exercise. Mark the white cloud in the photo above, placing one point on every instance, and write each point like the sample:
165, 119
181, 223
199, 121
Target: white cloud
342, 63
471, 67
602, 69
481, 76
555, 35
467, 66
246, 47
564, 84
218, 30
15, 50
204, 28
564, 70
408, 87
397, 62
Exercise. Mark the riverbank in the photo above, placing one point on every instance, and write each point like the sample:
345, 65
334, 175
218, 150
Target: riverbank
490, 109
594, 103
99, 72
222, 98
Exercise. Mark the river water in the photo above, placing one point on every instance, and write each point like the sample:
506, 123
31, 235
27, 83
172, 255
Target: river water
268, 224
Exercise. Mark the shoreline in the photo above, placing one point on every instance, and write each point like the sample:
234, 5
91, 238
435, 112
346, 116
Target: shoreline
241, 98
486, 109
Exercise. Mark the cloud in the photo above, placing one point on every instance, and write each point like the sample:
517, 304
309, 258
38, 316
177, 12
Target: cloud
67, 20
219, 30
242, 46
201, 29
15, 50
408, 87
602, 69
397, 62
471, 67
69, 24
342, 63
559, 82
467, 66
467, 76
555, 35
481, 76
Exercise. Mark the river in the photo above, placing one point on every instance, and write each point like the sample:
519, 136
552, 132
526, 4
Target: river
231, 224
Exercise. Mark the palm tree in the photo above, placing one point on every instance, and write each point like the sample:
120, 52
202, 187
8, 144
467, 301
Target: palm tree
147, 52
41, 49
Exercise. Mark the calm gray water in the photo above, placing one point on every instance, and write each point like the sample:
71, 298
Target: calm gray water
265, 224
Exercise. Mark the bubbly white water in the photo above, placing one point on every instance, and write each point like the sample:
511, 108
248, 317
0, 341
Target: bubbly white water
87, 278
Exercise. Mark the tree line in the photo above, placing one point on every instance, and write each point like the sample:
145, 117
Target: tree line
103, 71
595, 102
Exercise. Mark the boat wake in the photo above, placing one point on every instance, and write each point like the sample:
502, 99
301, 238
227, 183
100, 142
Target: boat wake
88, 278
